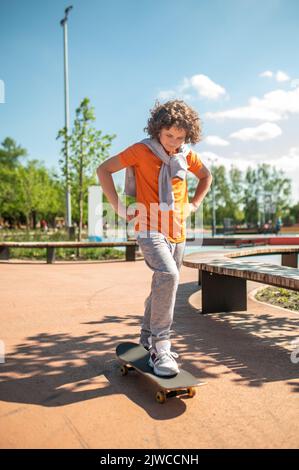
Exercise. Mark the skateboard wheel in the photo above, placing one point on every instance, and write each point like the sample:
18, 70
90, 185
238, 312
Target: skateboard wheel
160, 397
124, 370
191, 392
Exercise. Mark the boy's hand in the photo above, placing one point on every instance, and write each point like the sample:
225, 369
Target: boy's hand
188, 209
191, 208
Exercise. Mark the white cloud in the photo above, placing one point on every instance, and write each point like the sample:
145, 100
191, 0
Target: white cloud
282, 76
279, 76
267, 73
184, 85
288, 163
245, 112
274, 106
216, 141
265, 131
206, 88
294, 154
210, 156
202, 85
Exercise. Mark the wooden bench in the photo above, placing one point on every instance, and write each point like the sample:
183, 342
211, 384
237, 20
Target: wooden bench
242, 242
224, 280
250, 242
131, 247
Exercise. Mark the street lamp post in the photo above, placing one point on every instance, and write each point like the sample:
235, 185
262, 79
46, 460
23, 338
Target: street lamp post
63, 23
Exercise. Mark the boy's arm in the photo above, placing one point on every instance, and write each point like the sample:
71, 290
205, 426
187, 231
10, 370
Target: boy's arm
205, 180
104, 172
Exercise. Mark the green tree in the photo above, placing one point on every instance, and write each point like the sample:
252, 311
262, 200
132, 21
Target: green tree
250, 196
10, 153
88, 148
222, 196
258, 194
267, 193
38, 193
294, 213
236, 192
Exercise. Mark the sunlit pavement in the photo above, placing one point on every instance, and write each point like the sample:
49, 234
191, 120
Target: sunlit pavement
60, 383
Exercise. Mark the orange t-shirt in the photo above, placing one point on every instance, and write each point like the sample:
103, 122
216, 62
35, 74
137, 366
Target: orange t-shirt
172, 223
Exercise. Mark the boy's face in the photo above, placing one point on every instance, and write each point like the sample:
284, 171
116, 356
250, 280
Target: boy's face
172, 139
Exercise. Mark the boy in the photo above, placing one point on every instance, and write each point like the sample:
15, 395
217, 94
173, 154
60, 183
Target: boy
156, 171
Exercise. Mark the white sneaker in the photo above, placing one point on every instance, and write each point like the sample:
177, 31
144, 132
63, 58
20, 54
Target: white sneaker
162, 359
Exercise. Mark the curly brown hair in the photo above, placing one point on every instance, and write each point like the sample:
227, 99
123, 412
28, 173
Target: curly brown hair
174, 113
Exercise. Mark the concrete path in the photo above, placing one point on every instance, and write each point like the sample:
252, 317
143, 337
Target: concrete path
60, 385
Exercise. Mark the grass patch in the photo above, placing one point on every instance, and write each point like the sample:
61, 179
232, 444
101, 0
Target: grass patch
281, 297
67, 254
33, 236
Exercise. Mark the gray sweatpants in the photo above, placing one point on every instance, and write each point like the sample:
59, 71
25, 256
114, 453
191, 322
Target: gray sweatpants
164, 258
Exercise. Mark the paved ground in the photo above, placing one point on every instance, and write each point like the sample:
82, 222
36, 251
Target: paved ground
60, 386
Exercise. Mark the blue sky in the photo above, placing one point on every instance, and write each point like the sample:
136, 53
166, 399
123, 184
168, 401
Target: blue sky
234, 61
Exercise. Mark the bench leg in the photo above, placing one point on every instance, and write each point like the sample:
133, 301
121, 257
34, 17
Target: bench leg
4, 253
131, 253
222, 293
199, 277
289, 259
50, 254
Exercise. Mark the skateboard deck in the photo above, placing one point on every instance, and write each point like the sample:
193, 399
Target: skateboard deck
133, 356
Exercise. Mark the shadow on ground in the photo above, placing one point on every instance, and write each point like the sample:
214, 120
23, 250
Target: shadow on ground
58, 369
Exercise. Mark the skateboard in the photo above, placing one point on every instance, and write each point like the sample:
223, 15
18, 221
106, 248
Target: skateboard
133, 356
